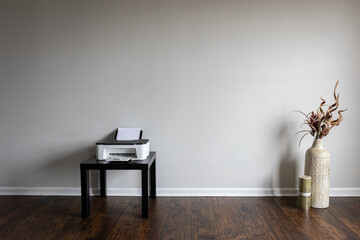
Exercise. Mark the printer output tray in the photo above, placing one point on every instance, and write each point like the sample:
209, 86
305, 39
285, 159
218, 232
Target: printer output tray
115, 142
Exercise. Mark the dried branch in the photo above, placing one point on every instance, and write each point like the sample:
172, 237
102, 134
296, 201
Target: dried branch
322, 122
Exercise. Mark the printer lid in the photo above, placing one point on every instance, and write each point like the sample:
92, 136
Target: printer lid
123, 142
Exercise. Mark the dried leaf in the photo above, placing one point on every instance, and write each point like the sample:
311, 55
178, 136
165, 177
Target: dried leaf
339, 119
325, 131
322, 103
322, 122
302, 138
303, 131
337, 82
306, 115
327, 124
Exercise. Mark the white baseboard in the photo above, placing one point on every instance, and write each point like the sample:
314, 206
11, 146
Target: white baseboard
345, 192
241, 192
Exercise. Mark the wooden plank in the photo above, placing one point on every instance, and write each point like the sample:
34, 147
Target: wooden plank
158, 215
332, 224
104, 212
227, 219
351, 203
312, 229
347, 210
12, 203
45, 221
266, 223
127, 224
203, 221
280, 221
253, 227
20, 208
178, 224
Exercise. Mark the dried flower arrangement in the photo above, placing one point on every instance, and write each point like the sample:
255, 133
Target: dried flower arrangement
322, 122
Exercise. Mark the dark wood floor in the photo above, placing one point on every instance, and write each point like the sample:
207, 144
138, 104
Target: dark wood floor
177, 218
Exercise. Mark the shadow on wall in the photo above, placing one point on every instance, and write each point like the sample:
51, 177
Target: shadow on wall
54, 168
288, 160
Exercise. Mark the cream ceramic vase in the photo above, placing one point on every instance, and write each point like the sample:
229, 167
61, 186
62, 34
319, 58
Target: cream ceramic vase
317, 165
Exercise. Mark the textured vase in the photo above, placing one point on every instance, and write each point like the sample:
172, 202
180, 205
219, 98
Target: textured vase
317, 165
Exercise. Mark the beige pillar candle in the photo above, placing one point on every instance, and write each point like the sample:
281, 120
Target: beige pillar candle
304, 199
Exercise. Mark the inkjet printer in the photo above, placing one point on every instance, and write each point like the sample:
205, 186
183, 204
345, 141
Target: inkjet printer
124, 147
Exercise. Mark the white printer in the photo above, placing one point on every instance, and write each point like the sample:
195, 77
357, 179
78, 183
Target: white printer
123, 150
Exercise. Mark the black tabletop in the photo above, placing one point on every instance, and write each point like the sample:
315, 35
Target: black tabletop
93, 163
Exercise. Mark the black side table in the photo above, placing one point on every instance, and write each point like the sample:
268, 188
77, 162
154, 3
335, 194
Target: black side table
102, 166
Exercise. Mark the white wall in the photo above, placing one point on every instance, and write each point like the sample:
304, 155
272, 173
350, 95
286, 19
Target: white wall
212, 83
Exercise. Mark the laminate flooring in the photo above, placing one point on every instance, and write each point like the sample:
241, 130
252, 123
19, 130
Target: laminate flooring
35, 217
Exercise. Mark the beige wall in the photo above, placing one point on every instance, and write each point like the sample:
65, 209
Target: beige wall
212, 83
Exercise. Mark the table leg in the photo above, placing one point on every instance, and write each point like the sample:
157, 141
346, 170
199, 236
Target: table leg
85, 196
153, 179
103, 183
145, 192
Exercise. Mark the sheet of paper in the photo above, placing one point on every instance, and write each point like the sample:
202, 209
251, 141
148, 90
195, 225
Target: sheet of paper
128, 134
